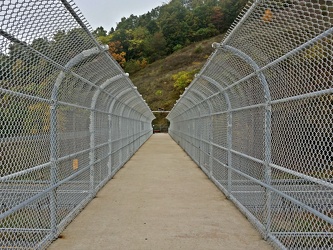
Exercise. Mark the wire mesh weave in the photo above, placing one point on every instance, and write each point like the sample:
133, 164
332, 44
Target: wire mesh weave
70, 118
258, 119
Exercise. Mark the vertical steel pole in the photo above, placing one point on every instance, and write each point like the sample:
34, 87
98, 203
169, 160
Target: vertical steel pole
54, 153
53, 128
54, 162
267, 130
229, 125
92, 153
210, 131
211, 139
118, 126
268, 171
121, 140
229, 142
110, 146
200, 131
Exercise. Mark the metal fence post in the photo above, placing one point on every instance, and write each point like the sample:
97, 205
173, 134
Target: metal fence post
210, 130
229, 143
54, 155
110, 146
200, 130
268, 171
92, 154
219, 86
211, 148
111, 110
50, 125
277, 74
53, 128
267, 129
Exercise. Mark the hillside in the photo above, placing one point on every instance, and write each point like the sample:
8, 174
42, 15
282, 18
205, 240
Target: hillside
155, 82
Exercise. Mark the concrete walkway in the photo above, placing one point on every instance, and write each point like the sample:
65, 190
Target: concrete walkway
160, 200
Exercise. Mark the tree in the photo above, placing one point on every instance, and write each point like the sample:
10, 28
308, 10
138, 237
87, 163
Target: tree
155, 47
128, 23
136, 44
152, 27
111, 31
133, 66
66, 45
173, 24
5, 66
115, 49
123, 36
174, 31
19, 62
231, 9
105, 39
182, 79
100, 31
204, 33
217, 19
203, 14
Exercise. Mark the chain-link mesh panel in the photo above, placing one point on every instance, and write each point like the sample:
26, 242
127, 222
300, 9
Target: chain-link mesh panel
70, 118
264, 121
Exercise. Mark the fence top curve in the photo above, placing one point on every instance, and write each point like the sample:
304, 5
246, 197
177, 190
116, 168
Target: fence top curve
261, 126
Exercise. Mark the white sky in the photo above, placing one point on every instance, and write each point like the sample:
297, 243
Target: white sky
108, 13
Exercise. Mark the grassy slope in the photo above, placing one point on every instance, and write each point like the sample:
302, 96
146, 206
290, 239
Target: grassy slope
158, 75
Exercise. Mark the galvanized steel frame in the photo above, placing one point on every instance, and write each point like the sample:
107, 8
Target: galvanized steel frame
317, 234
115, 109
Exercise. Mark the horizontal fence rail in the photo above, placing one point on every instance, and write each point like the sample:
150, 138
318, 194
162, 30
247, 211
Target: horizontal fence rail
258, 120
70, 118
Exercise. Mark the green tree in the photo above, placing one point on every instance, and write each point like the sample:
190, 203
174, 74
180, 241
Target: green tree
182, 79
123, 36
111, 31
155, 47
231, 9
173, 31
105, 39
137, 43
173, 24
128, 23
152, 27
66, 45
217, 19
100, 31
5, 66
180, 21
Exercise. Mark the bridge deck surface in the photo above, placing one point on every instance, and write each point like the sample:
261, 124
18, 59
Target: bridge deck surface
160, 200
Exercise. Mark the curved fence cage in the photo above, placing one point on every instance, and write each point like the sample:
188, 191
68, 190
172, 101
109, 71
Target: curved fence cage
258, 120
70, 118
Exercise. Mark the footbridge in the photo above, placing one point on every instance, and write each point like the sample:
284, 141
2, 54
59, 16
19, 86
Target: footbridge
77, 143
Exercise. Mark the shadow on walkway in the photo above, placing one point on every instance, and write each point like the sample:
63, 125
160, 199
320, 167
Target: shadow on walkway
160, 200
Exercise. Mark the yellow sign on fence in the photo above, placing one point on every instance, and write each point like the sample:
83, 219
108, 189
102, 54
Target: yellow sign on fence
75, 164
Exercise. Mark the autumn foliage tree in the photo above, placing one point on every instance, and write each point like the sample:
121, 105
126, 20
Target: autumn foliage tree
115, 49
168, 28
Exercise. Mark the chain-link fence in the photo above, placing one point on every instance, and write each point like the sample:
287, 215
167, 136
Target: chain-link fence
258, 119
70, 118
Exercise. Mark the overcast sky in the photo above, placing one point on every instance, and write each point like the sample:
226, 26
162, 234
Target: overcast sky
108, 13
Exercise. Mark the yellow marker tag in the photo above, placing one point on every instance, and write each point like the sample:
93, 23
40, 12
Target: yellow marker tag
75, 164
267, 17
